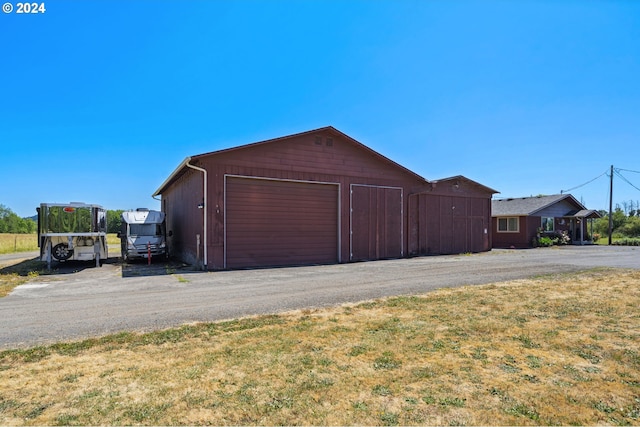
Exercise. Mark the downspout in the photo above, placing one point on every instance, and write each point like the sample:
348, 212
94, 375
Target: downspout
204, 171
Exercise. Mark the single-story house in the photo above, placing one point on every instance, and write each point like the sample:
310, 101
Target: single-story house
316, 197
517, 222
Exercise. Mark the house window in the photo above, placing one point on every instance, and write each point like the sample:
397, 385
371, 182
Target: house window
508, 225
548, 224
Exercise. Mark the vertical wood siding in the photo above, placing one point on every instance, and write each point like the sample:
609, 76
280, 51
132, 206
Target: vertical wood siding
376, 223
184, 219
441, 224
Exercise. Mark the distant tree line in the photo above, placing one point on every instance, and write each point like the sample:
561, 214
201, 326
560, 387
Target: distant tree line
630, 208
10, 222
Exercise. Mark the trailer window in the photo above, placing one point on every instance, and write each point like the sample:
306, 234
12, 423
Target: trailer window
145, 229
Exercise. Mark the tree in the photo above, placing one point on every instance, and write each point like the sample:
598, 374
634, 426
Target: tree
619, 218
113, 221
627, 226
12, 223
601, 225
631, 227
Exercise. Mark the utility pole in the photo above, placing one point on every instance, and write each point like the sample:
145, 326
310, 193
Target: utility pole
611, 205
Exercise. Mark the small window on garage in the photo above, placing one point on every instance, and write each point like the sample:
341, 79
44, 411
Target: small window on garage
548, 224
508, 225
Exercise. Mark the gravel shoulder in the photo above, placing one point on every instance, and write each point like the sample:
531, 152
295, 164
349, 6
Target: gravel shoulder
80, 301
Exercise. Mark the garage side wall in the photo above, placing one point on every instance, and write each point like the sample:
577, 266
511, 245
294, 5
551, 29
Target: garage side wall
184, 218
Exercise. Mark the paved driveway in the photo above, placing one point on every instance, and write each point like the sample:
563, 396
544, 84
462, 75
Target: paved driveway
82, 301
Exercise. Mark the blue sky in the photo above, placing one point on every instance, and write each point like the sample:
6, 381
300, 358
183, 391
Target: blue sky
101, 100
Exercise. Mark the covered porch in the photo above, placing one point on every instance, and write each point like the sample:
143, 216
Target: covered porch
580, 225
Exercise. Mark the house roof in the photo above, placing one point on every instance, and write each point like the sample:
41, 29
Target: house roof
584, 213
526, 206
186, 162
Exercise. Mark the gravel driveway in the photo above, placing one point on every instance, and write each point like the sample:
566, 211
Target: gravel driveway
81, 301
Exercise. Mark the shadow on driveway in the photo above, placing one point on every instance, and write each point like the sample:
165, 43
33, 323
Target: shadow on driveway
157, 268
24, 267
129, 269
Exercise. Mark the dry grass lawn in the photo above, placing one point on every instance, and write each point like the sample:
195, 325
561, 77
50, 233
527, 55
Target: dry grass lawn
12, 243
555, 350
16, 272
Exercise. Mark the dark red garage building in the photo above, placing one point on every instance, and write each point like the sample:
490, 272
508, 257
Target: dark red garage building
316, 197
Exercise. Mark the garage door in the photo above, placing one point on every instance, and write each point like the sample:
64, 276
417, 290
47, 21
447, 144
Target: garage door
273, 222
376, 222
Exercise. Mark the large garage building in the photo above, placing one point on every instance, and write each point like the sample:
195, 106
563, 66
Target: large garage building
316, 197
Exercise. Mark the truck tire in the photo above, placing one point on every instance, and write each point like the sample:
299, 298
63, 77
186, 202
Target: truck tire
61, 252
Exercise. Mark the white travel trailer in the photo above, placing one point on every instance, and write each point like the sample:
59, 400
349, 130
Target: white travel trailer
143, 234
73, 231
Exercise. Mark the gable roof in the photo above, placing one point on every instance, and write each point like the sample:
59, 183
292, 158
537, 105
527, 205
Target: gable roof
526, 206
322, 129
460, 178
358, 144
584, 213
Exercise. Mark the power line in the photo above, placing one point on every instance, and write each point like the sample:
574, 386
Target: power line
582, 185
626, 170
617, 172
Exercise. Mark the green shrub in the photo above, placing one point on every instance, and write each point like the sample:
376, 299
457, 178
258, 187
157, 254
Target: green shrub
545, 241
627, 242
631, 228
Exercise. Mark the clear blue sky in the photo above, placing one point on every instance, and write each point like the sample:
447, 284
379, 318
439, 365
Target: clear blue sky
101, 100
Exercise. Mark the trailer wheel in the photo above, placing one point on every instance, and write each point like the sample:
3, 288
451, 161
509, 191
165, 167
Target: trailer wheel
61, 252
